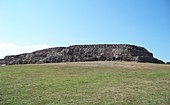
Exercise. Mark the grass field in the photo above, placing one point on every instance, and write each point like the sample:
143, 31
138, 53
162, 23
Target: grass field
86, 83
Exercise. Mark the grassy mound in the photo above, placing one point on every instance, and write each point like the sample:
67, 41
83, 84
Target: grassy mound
85, 83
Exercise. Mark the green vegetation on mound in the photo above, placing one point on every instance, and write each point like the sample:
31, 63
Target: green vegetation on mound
85, 83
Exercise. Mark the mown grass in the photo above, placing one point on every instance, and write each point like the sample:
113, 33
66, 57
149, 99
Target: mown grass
88, 83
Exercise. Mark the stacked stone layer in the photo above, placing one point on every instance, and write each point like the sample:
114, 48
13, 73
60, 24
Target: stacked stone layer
80, 53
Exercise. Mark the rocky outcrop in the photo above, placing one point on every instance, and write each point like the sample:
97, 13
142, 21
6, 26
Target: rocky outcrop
79, 53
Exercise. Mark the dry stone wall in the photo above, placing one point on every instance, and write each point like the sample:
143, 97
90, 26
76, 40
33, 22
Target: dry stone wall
81, 53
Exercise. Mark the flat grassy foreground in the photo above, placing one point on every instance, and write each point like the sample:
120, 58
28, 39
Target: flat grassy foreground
88, 83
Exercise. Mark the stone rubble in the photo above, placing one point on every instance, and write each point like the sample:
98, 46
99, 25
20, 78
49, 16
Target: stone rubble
82, 53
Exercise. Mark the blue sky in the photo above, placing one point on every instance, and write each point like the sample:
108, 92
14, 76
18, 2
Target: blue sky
26, 23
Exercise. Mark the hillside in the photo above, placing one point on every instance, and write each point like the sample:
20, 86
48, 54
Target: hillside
85, 83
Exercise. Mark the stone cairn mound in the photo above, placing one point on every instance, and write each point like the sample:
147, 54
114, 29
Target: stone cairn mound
82, 53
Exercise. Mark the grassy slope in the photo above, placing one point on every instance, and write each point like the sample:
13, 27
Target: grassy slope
96, 83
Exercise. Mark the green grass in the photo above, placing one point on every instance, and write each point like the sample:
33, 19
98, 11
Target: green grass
88, 83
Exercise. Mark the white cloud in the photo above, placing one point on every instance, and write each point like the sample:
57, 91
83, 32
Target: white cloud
13, 49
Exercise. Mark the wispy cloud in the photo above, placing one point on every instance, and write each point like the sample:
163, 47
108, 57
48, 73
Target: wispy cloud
13, 49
